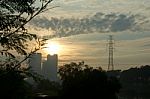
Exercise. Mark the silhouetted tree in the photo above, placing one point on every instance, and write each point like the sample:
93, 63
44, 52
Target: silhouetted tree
47, 87
14, 15
13, 84
135, 82
14, 37
82, 80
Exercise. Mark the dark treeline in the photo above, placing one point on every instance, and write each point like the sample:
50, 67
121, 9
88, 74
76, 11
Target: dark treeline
135, 82
79, 80
76, 80
82, 80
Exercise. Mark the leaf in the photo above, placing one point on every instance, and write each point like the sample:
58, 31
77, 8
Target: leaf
1, 53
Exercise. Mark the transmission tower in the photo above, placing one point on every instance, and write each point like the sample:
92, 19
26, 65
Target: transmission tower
110, 55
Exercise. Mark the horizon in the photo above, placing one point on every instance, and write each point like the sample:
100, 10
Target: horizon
83, 33
54, 49
81, 30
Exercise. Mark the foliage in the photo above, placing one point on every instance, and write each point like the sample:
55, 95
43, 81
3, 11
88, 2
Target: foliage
14, 15
82, 80
47, 87
12, 83
14, 38
135, 82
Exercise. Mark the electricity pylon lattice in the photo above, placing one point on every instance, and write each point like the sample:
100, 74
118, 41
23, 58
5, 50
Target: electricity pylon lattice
110, 54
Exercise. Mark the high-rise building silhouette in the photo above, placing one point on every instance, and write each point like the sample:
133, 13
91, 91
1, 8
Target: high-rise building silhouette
110, 55
49, 67
35, 62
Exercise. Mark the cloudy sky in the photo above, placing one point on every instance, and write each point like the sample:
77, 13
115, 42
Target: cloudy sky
82, 29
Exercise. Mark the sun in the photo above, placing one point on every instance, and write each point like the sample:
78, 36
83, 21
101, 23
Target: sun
52, 48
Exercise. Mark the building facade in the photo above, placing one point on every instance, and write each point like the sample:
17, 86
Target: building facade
35, 62
48, 69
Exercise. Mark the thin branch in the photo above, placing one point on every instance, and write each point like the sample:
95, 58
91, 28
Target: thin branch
38, 12
49, 9
28, 56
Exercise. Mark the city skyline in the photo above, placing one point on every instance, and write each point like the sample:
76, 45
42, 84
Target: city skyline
78, 25
47, 68
57, 49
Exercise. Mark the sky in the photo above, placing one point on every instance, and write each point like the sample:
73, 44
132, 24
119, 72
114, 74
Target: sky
82, 29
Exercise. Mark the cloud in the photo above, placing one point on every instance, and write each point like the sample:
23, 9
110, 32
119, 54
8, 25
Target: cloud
99, 22
122, 23
72, 0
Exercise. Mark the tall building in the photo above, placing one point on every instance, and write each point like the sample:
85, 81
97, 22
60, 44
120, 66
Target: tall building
35, 65
35, 62
49, 67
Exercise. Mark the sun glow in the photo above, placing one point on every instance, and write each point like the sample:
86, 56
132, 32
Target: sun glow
52, 48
